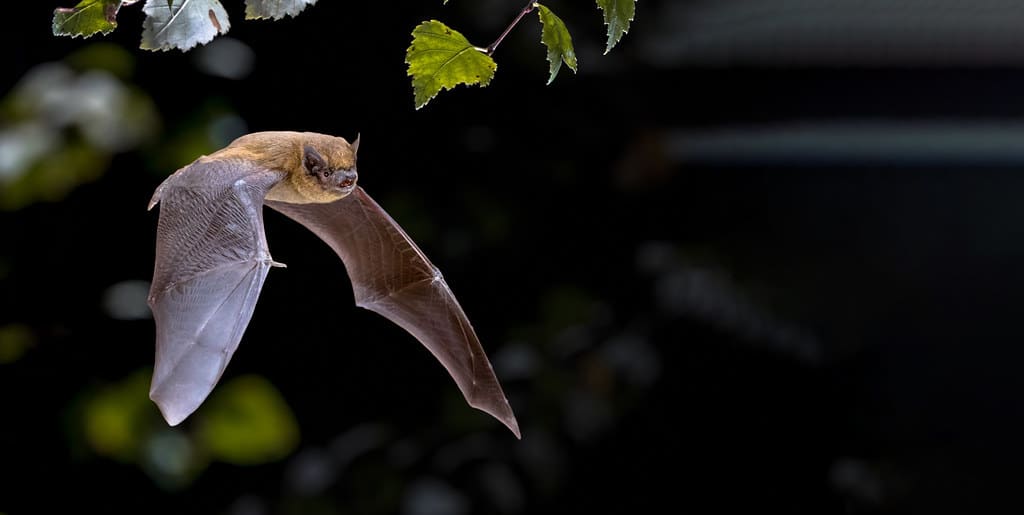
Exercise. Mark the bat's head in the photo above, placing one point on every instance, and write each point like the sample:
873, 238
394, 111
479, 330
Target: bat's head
331, 176
331, 163
320, 168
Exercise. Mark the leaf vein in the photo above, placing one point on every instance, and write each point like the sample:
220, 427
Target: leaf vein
173, 17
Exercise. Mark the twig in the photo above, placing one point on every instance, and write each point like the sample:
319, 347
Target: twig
530, 6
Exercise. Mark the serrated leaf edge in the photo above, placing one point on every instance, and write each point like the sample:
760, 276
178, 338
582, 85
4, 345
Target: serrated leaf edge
285, 15
167, 48
73, 35
613, 39
480, 83
555, 65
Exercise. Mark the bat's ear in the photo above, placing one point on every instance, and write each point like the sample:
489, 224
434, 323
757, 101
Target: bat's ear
355, 144
312, 160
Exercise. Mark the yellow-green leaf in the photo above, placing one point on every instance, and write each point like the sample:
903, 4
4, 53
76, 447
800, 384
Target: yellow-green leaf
555, 35
248, 422
15, 339
617, 16
117, 416
86, 18
442, 58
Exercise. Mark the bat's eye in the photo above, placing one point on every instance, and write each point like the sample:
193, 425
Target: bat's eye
327, 173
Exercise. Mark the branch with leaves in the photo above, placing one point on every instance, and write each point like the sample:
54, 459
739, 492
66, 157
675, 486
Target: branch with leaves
439, 57
180, 24
442, 58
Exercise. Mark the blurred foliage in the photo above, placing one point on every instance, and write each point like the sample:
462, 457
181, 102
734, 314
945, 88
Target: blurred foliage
126, 300
204, 129
566, 306
63, 122
103, 56
245, 422
117, 416
15, 340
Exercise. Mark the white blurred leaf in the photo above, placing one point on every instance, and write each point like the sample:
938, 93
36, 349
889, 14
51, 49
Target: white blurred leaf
21, 145
227, 58
126, 300
432, 496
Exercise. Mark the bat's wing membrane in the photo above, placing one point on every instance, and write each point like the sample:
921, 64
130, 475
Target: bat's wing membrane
391, 276
211, 260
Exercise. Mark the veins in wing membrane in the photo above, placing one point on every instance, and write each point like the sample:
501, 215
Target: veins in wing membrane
226, 234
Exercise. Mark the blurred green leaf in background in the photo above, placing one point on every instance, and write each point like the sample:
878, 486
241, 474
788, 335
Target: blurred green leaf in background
248, 422
15, 340
245, 422
118, 418
64, 120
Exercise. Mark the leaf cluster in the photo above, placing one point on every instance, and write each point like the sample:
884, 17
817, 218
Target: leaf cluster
442, 58
439, 57
180, 24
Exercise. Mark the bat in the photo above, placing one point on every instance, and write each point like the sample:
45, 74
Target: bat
212, 259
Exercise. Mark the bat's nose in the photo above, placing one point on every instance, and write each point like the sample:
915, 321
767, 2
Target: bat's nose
347, 178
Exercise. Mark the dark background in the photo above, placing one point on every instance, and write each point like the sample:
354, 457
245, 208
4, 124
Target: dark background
761, 256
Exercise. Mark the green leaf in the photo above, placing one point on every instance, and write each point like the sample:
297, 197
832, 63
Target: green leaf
274, 9
182, 24
555, 36
442, 58
617, 15
86, 18
115, 418
15, 340
248, 422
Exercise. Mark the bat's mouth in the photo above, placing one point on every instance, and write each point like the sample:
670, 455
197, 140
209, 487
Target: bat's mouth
346, 181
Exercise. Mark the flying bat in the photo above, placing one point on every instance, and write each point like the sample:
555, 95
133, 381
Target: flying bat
212, 259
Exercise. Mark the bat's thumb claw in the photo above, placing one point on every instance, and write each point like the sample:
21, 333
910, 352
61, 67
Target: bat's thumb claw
277, 265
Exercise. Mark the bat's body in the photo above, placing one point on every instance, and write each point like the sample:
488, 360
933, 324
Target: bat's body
212, 259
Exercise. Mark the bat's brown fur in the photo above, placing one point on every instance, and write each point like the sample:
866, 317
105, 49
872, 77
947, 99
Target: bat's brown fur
284, 151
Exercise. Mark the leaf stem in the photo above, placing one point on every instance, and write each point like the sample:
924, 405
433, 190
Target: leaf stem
530, 6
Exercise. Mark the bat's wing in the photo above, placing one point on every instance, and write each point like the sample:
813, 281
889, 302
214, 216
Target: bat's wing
211, 260
391, 276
